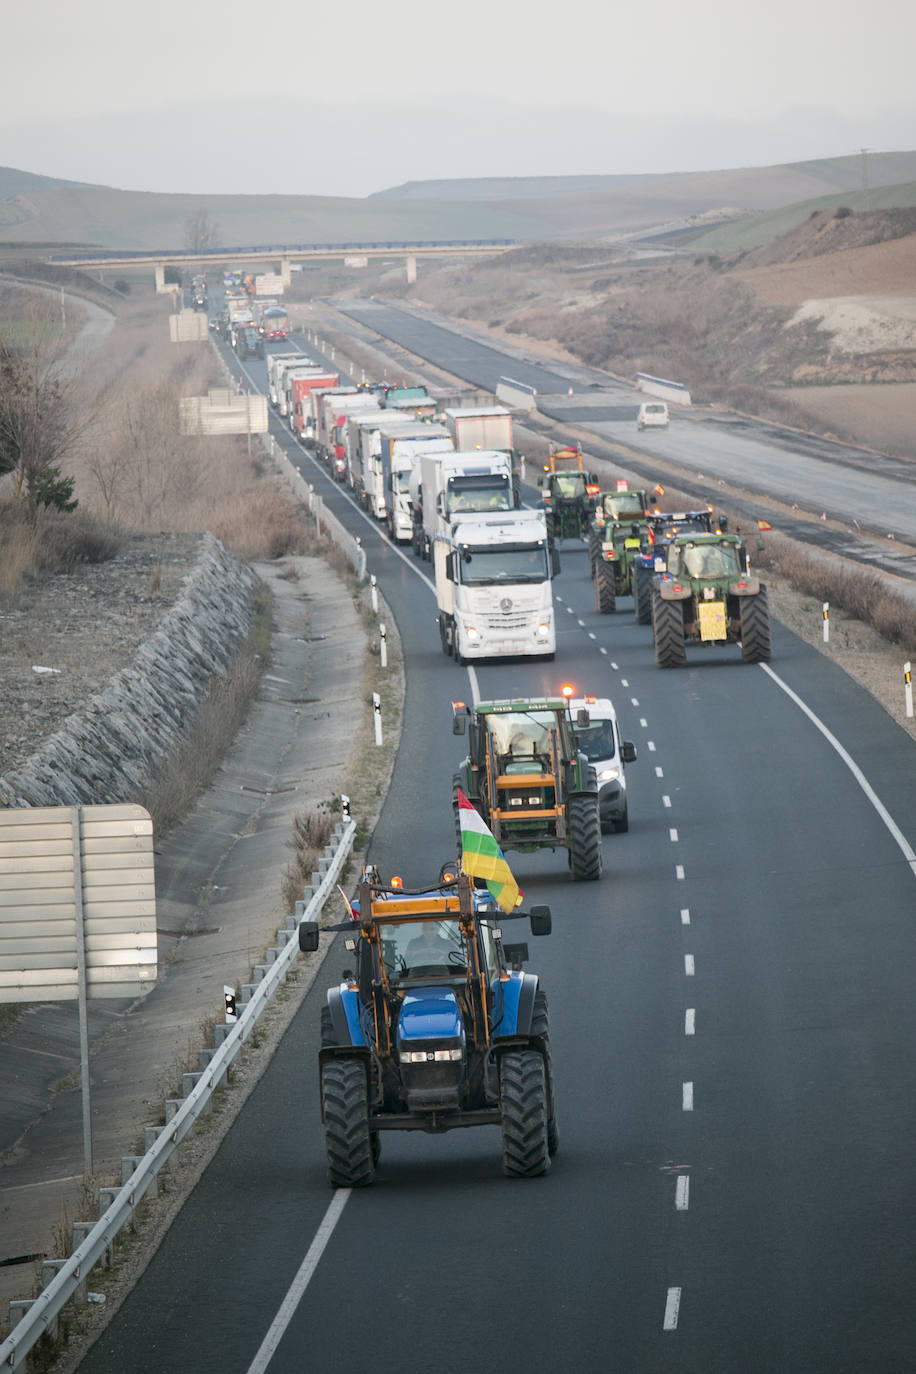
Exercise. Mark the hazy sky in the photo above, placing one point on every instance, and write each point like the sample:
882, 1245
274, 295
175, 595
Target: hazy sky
345, 99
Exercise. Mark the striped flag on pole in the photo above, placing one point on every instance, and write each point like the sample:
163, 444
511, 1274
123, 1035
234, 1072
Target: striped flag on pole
481, 857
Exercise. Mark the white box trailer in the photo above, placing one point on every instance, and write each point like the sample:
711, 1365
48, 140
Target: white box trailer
333, 409
401, 451
277, 365
484, 427
364, 447
494, 586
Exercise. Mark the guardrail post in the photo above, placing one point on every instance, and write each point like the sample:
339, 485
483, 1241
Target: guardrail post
908, 688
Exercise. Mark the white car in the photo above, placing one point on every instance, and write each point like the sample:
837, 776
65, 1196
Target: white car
652, 413
608, 754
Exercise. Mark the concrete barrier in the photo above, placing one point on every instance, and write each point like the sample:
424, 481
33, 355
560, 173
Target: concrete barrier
675, 392
516, 395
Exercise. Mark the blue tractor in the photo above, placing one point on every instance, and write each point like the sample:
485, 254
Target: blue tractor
436, 1027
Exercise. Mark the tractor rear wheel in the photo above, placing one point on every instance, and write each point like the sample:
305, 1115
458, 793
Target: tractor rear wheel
668, 629
540, 1025
642, 595
551, 526
523, 1102
605, 591
345, 1099
594, 551
755, 628
327, 1028
583, 829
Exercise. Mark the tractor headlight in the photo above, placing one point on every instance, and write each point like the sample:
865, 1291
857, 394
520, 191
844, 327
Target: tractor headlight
431, 1056
608, 774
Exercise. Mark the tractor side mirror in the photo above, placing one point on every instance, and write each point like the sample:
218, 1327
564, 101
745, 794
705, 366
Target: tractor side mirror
515, 955
541, 923
723, 523
459, 724
582, 716
308, 936
628, 752
742, 557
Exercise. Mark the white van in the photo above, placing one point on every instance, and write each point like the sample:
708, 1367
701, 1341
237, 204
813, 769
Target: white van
608, 754
652, 413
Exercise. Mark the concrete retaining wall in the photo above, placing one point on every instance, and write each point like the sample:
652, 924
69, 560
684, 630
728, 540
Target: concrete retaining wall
108, 753
675, 392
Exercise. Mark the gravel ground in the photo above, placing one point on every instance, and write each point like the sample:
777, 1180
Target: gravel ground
86, 625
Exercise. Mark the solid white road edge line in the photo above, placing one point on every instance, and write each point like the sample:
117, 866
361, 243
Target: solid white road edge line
299, 1284
896, 834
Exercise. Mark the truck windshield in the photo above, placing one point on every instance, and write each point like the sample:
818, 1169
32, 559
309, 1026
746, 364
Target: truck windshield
401, 480
480, 567
490, 492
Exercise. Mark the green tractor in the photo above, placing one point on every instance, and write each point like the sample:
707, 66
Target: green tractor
707, 596
568, 494
618, 530
527, 779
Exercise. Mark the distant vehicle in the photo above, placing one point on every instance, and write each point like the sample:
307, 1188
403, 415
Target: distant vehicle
248, 342
652, 414
600, 742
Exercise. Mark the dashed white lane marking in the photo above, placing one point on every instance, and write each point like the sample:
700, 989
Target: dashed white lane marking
643, 722
897, 835
685, 915
672, 836
690, 1021
634, 701
672, 1307
690, 967
682, 1192
687, 1096
666, 801
613, 665
659, 773
591, 635
679, 872
582, 623
602, 650
570, 611
299, 1284
650, 746
623, 682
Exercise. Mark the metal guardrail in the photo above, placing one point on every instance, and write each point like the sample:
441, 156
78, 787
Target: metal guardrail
73, 1272
324, 516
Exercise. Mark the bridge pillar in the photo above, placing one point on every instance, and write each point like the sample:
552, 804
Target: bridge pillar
411, 269
159, 269
284, 271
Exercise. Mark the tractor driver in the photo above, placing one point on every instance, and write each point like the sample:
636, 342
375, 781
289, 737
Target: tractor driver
429, 949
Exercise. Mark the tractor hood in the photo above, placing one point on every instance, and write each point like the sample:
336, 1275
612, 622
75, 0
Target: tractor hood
429, 1014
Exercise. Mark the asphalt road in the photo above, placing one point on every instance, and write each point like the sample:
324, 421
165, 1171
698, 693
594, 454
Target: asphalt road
840, 481
733, 1027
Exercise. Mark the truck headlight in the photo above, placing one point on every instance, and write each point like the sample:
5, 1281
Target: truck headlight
608, 774
543, 630
471, 632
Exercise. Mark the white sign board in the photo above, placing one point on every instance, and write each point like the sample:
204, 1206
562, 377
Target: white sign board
268, 284
77, 884
356, 260
189, 326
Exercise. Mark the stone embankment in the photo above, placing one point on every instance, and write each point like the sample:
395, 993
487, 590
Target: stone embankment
115, 744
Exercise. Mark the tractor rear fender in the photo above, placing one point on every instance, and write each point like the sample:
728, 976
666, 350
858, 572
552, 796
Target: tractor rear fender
514, 1005
748, 586
674, 591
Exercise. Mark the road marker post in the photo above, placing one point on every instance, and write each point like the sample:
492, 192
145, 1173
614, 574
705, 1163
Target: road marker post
826, 613
377, 713
373, 592
383, 645
908, 689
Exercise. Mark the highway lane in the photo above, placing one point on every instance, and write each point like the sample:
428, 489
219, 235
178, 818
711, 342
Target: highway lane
798, 924
795, 468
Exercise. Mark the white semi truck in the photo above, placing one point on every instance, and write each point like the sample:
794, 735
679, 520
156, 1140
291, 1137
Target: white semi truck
332, 409
401, 451
277, 363
484, 427
494, 586
442, 484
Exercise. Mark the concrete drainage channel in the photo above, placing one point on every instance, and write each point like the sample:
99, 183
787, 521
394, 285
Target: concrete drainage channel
62, 1279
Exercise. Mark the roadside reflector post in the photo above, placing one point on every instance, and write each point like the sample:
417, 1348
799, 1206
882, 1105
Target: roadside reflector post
383, 645
377, 713
230, 1004
373, 591
826, 613
908, 689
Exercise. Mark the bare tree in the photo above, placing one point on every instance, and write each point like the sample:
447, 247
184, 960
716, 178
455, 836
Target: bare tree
201, 232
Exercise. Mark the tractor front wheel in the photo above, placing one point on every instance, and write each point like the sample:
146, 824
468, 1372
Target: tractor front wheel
605, 591
345, 1099
583, 823
642, 595
668, 630
755, 628
523, 1102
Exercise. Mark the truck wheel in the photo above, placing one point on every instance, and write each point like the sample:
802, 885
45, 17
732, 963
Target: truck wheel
584, 832
755, 628
642, 595
523, 1102
443, 636
622, 824
540, 1025
668, 629
345, 1100
605, 592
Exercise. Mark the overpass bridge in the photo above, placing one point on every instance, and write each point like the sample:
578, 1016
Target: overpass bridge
284, 254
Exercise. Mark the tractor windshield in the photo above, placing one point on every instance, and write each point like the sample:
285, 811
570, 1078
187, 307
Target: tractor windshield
422, 949
570, 484
521, 733
703, 560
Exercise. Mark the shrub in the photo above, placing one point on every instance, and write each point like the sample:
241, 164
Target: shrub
842, 212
